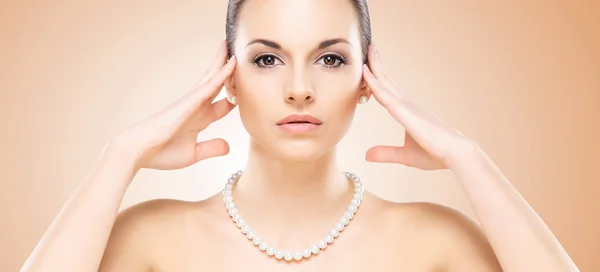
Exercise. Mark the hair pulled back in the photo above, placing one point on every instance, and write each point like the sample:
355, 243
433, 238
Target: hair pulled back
360, 6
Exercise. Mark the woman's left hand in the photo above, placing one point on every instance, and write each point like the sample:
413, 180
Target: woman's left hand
429, 143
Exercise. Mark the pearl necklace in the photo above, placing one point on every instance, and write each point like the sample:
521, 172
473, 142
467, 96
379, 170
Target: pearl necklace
307, 252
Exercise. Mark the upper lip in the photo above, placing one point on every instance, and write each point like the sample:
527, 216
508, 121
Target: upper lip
296, 118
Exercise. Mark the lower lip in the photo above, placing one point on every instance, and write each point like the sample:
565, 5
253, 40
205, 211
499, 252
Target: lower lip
298, 128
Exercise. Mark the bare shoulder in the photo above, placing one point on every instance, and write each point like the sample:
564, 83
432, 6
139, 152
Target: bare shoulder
451, 237
142, 230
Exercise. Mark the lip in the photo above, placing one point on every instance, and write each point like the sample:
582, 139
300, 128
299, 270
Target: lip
299, 124
300, 119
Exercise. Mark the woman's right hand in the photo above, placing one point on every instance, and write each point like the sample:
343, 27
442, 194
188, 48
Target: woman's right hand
168, 139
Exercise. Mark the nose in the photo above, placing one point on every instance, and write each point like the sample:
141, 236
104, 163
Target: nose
300, 91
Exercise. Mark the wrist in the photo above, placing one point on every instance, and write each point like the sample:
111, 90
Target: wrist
123, 153
464, 154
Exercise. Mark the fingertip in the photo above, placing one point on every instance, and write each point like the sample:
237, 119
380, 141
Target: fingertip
232, 63
367, 72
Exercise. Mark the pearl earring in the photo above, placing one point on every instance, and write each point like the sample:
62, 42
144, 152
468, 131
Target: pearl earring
231, 100
363, 99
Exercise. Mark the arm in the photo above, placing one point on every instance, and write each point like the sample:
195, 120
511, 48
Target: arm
76, 239
518, 236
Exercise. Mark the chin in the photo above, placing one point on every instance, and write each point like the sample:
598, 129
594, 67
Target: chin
298, 150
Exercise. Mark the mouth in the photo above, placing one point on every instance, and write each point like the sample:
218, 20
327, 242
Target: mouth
300, 119
299, 124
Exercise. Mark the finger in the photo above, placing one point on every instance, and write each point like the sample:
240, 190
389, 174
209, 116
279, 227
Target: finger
218, 61
216, 83
386, 154
379, 91
211, 148
407, 156
211, 89
375, 63
220, 109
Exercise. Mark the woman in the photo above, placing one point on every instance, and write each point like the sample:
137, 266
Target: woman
297, 83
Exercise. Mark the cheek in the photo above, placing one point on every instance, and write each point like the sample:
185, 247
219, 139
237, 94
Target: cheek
338, 89
259, 96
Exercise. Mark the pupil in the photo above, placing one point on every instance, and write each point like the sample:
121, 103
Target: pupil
269, 60
329, 60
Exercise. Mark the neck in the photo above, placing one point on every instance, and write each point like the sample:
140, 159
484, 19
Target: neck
270, 181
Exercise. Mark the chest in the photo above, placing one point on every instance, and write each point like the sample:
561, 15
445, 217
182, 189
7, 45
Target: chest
352, 252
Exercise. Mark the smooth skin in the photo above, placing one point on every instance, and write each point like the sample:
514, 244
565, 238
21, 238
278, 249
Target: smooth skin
292, 189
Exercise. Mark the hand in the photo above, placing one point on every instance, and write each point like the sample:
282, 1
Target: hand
429, 143
168, 139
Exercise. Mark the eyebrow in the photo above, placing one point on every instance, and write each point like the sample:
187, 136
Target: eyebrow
275, 45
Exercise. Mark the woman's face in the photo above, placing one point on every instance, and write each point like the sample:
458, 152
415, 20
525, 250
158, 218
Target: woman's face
297, 57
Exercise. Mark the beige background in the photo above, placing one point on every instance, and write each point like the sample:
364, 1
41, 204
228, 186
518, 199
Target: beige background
522, 78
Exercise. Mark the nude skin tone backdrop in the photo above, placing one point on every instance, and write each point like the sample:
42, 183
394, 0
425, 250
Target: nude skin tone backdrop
520, 78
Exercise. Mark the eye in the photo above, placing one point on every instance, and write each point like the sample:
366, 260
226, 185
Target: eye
266, 61
332, 61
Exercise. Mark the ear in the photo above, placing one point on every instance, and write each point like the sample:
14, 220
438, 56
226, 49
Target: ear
230, 86
364, 89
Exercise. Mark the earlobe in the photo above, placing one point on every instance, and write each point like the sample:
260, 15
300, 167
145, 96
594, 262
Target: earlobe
365, 92
230, 91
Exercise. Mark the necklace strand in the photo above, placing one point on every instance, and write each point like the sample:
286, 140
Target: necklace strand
290, 255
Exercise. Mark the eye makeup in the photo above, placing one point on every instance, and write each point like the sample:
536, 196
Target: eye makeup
327, 60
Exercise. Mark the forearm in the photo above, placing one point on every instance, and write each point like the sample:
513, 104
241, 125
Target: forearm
76, 239
519, 237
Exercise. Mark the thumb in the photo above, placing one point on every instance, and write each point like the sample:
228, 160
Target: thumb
387, 154
211, 148
410, 156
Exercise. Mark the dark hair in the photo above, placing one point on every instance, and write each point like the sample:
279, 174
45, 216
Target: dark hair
360, 6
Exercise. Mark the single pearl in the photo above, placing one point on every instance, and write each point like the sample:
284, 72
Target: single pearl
287, 256
345, 221
250, 235
263, 246
335, 233
279, 254
256, 240
297, 256
315, 249
329, 239
245, 229
241, 223
322, 244
352, 208
271, 251
306, 252
348, 214
339, 227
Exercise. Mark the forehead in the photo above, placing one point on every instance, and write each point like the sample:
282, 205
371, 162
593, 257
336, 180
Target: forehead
298, 22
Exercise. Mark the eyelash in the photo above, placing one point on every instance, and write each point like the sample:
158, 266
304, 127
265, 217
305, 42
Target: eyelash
341, 61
